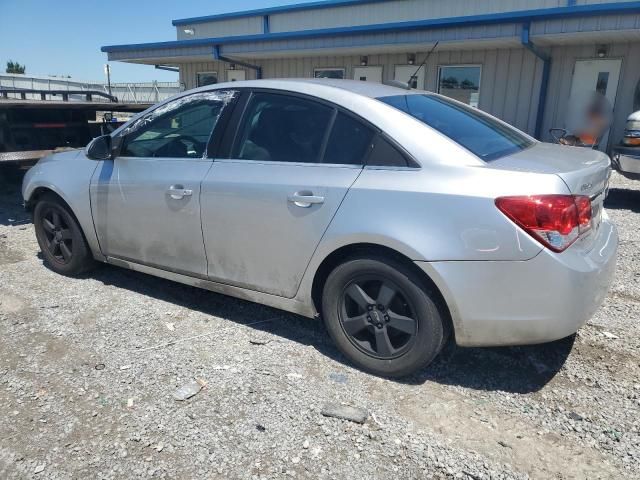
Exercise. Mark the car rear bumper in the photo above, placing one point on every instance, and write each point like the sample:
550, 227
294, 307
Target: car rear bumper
626, 160
526, 302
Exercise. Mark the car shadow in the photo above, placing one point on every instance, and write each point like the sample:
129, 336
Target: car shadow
623, 199
511, 369
522, 369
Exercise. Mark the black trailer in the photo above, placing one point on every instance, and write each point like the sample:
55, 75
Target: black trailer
33, 128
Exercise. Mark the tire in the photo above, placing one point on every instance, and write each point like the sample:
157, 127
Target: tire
374, 332
62, 243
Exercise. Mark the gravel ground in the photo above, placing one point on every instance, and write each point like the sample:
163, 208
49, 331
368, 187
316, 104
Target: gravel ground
89, 368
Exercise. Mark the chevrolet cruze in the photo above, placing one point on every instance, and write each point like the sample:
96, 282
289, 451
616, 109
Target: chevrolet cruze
400, 217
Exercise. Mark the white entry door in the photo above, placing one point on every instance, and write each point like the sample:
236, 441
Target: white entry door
404, 73
597, 75
368, 74
236, 75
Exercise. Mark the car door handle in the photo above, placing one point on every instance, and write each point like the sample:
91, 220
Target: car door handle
178, 191
305, 199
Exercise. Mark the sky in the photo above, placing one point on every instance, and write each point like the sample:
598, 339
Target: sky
64, 37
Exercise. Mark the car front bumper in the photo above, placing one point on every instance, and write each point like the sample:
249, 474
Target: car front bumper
527, 302
626, 160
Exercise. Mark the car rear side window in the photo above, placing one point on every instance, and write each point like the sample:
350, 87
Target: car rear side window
349, 141
467, 126
384, 153
282, 128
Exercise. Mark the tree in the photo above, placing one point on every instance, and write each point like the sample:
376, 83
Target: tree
15, 67
450, 82
468, 84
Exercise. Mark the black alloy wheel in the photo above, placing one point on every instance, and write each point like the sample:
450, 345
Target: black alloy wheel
383, 315
59, 239
63, 245
377, 317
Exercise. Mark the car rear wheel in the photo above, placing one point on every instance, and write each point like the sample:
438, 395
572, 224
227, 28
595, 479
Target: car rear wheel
382, 317
64, 248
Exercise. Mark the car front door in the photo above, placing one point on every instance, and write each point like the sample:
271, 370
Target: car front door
146, 201
266, 206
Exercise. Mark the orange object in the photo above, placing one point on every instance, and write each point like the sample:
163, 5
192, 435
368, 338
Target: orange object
588, 139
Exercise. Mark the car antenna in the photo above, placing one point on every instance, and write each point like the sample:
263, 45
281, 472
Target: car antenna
415, 74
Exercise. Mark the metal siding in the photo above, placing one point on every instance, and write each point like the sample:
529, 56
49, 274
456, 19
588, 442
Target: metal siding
509, 83
586, 24
396, 11
593, 2
563, 62
482, 32
222, 28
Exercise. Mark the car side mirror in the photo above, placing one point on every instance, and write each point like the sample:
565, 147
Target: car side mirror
99, 148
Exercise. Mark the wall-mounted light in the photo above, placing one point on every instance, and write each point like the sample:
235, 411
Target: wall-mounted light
411, 58
364, 60
602, 51
232, 66
189, 31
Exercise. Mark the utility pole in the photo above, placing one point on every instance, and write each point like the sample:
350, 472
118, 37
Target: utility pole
107, 72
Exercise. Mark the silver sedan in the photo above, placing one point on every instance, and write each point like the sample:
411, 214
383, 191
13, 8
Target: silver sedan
401, 217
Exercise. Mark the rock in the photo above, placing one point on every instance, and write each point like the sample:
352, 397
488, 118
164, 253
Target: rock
344, 412
39, 468
575, 416
188, 390
338, 377
305, 444
609, 335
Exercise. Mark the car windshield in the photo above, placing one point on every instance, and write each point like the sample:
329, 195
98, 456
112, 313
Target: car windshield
477, 132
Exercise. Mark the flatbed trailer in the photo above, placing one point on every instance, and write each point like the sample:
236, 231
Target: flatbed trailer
31, 129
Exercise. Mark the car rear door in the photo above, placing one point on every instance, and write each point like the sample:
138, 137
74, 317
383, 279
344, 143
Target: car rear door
146, 201
267, 203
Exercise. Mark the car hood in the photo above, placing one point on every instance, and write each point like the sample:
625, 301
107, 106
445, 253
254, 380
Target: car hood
68, 154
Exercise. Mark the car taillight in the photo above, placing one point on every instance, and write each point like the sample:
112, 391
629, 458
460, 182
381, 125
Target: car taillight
556, 221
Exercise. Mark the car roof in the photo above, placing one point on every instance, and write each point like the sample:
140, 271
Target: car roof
314, 85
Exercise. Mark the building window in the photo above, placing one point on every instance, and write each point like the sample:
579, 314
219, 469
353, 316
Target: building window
460, 82
328, 73
206, 78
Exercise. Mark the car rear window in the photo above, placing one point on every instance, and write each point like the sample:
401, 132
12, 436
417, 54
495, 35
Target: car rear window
477, 132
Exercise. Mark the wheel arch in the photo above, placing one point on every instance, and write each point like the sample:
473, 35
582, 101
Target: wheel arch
354, 250
41, 190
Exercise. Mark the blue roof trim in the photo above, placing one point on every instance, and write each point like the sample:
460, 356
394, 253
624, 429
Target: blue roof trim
506, 17
270, 10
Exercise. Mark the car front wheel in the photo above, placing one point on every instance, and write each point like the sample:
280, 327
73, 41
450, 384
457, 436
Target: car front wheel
64, 248
382, 317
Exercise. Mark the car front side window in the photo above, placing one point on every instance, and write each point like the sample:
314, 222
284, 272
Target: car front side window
178, 129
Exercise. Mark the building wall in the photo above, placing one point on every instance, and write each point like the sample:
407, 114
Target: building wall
226, 28
508, 86
366, 13
398, 11
563, 61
